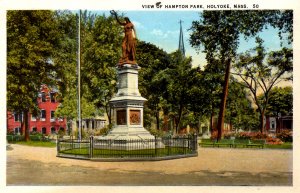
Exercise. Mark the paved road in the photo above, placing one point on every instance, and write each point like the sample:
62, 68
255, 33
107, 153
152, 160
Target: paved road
39, 166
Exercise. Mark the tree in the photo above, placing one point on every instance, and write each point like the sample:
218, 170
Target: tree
65, 57
152, 61
259, 75
219, 32
240, 113
101, 39
280, 101
31, 40
179, 82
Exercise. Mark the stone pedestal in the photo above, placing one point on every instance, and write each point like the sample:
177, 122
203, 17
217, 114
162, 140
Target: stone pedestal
128, 107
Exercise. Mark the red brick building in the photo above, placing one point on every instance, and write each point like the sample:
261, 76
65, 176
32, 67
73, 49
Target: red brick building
45, 123
275, 125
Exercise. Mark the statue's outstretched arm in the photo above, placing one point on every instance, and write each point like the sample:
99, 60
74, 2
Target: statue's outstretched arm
113, 12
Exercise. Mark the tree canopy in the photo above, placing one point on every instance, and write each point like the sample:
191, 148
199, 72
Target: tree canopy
218, 33
32, 37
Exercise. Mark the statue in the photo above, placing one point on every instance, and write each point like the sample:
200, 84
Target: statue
129, 41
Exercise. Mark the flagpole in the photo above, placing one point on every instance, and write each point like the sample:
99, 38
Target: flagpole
78, 78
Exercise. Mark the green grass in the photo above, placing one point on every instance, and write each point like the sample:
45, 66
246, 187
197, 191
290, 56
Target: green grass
35, 143
240, 144
287, 145
138, 153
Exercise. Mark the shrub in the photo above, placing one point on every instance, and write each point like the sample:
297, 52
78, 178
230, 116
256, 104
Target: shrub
229, 135
104, 131
285, 135
61, 133
250, 135
35, 137
155, 132
273, 141
214, 134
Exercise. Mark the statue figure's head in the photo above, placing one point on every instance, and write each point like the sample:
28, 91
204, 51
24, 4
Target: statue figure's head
127, 20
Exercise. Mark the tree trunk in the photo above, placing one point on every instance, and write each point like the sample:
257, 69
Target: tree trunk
179, 118
165, 124
211, 122
108, 113
26, 126
261, 125
199, 126
221, 117
157, 120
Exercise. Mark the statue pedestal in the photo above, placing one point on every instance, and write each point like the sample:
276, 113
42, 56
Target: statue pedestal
128, 107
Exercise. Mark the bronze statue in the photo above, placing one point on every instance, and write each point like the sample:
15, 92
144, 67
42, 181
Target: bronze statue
129, 40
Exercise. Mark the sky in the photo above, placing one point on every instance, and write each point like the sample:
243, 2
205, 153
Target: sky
161, 28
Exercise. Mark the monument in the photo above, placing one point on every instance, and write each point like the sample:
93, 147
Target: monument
128, 104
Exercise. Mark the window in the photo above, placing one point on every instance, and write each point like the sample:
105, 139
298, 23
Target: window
53, 130
43, 115
52, 97
34, 129
18, 130
52, 118
18, 117
33, 118
44, 130
43, 97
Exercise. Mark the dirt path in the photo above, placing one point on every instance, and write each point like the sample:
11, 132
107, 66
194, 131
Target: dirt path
212, 167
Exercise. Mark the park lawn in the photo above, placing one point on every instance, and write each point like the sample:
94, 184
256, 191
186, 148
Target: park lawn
35, 143
141, 152
287, 145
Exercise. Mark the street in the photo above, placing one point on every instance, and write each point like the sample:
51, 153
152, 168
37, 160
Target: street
226, 167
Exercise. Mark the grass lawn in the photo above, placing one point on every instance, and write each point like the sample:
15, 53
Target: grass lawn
35, 143
287, 145
138, 153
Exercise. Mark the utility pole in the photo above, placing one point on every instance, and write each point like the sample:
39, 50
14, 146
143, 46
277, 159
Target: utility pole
78, 78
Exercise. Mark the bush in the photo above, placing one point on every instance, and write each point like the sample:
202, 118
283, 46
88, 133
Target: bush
101, 132
214, 135
250, 135
158, 133
273, 141
11, 138
285, 135
229, 135
35, 137
61, 133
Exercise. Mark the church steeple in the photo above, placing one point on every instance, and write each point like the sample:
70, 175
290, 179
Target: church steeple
181, 43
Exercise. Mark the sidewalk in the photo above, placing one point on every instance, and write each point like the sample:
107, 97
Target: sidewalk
213, 166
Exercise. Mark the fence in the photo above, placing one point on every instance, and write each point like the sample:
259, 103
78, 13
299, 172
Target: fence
131, 149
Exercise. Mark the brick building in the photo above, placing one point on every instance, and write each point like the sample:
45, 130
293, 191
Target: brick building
275, 125
45, 123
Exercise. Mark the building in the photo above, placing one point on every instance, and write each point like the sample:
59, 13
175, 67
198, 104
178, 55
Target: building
275, 125
45, 123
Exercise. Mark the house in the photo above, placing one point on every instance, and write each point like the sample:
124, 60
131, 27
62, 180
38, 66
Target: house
45, 123
277, 124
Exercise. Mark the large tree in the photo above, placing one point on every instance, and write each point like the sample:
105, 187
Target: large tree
178, 84
101, 49
218, 32
240, 112
152, 61
32, 37
260, 75
65, 57
280, 101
